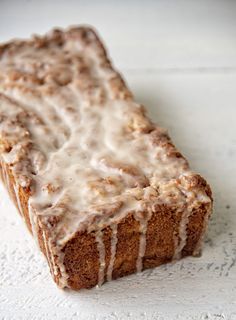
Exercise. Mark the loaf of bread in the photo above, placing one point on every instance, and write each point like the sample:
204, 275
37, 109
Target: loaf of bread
103, 190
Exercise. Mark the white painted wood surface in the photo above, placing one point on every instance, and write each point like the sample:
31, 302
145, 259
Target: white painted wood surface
179, 57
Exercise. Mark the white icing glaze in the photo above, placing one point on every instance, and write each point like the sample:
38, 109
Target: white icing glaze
193, 201
198, 248
47, 252
101, 251
86, 147
51, 255
143, 221
16, 191
63, 274
55, 267
182, 234
113, 251
33, 222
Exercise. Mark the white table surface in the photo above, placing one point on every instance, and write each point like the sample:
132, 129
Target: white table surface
179, 58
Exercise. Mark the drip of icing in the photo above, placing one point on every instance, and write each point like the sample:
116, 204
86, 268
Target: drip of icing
182, 234
101, 252
63, 283
143, 221
53, 265
176, 243
113, 251
197, 250
142, 245
19, 207
47, 253
33, 222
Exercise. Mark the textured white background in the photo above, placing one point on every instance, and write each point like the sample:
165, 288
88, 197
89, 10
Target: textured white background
179, 57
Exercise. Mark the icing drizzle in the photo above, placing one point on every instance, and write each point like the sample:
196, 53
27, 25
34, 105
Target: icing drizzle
114, 240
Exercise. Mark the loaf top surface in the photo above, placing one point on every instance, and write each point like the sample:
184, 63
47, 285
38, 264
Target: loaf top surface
78, 142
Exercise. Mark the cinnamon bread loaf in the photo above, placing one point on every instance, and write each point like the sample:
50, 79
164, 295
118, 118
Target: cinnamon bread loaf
103, 190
